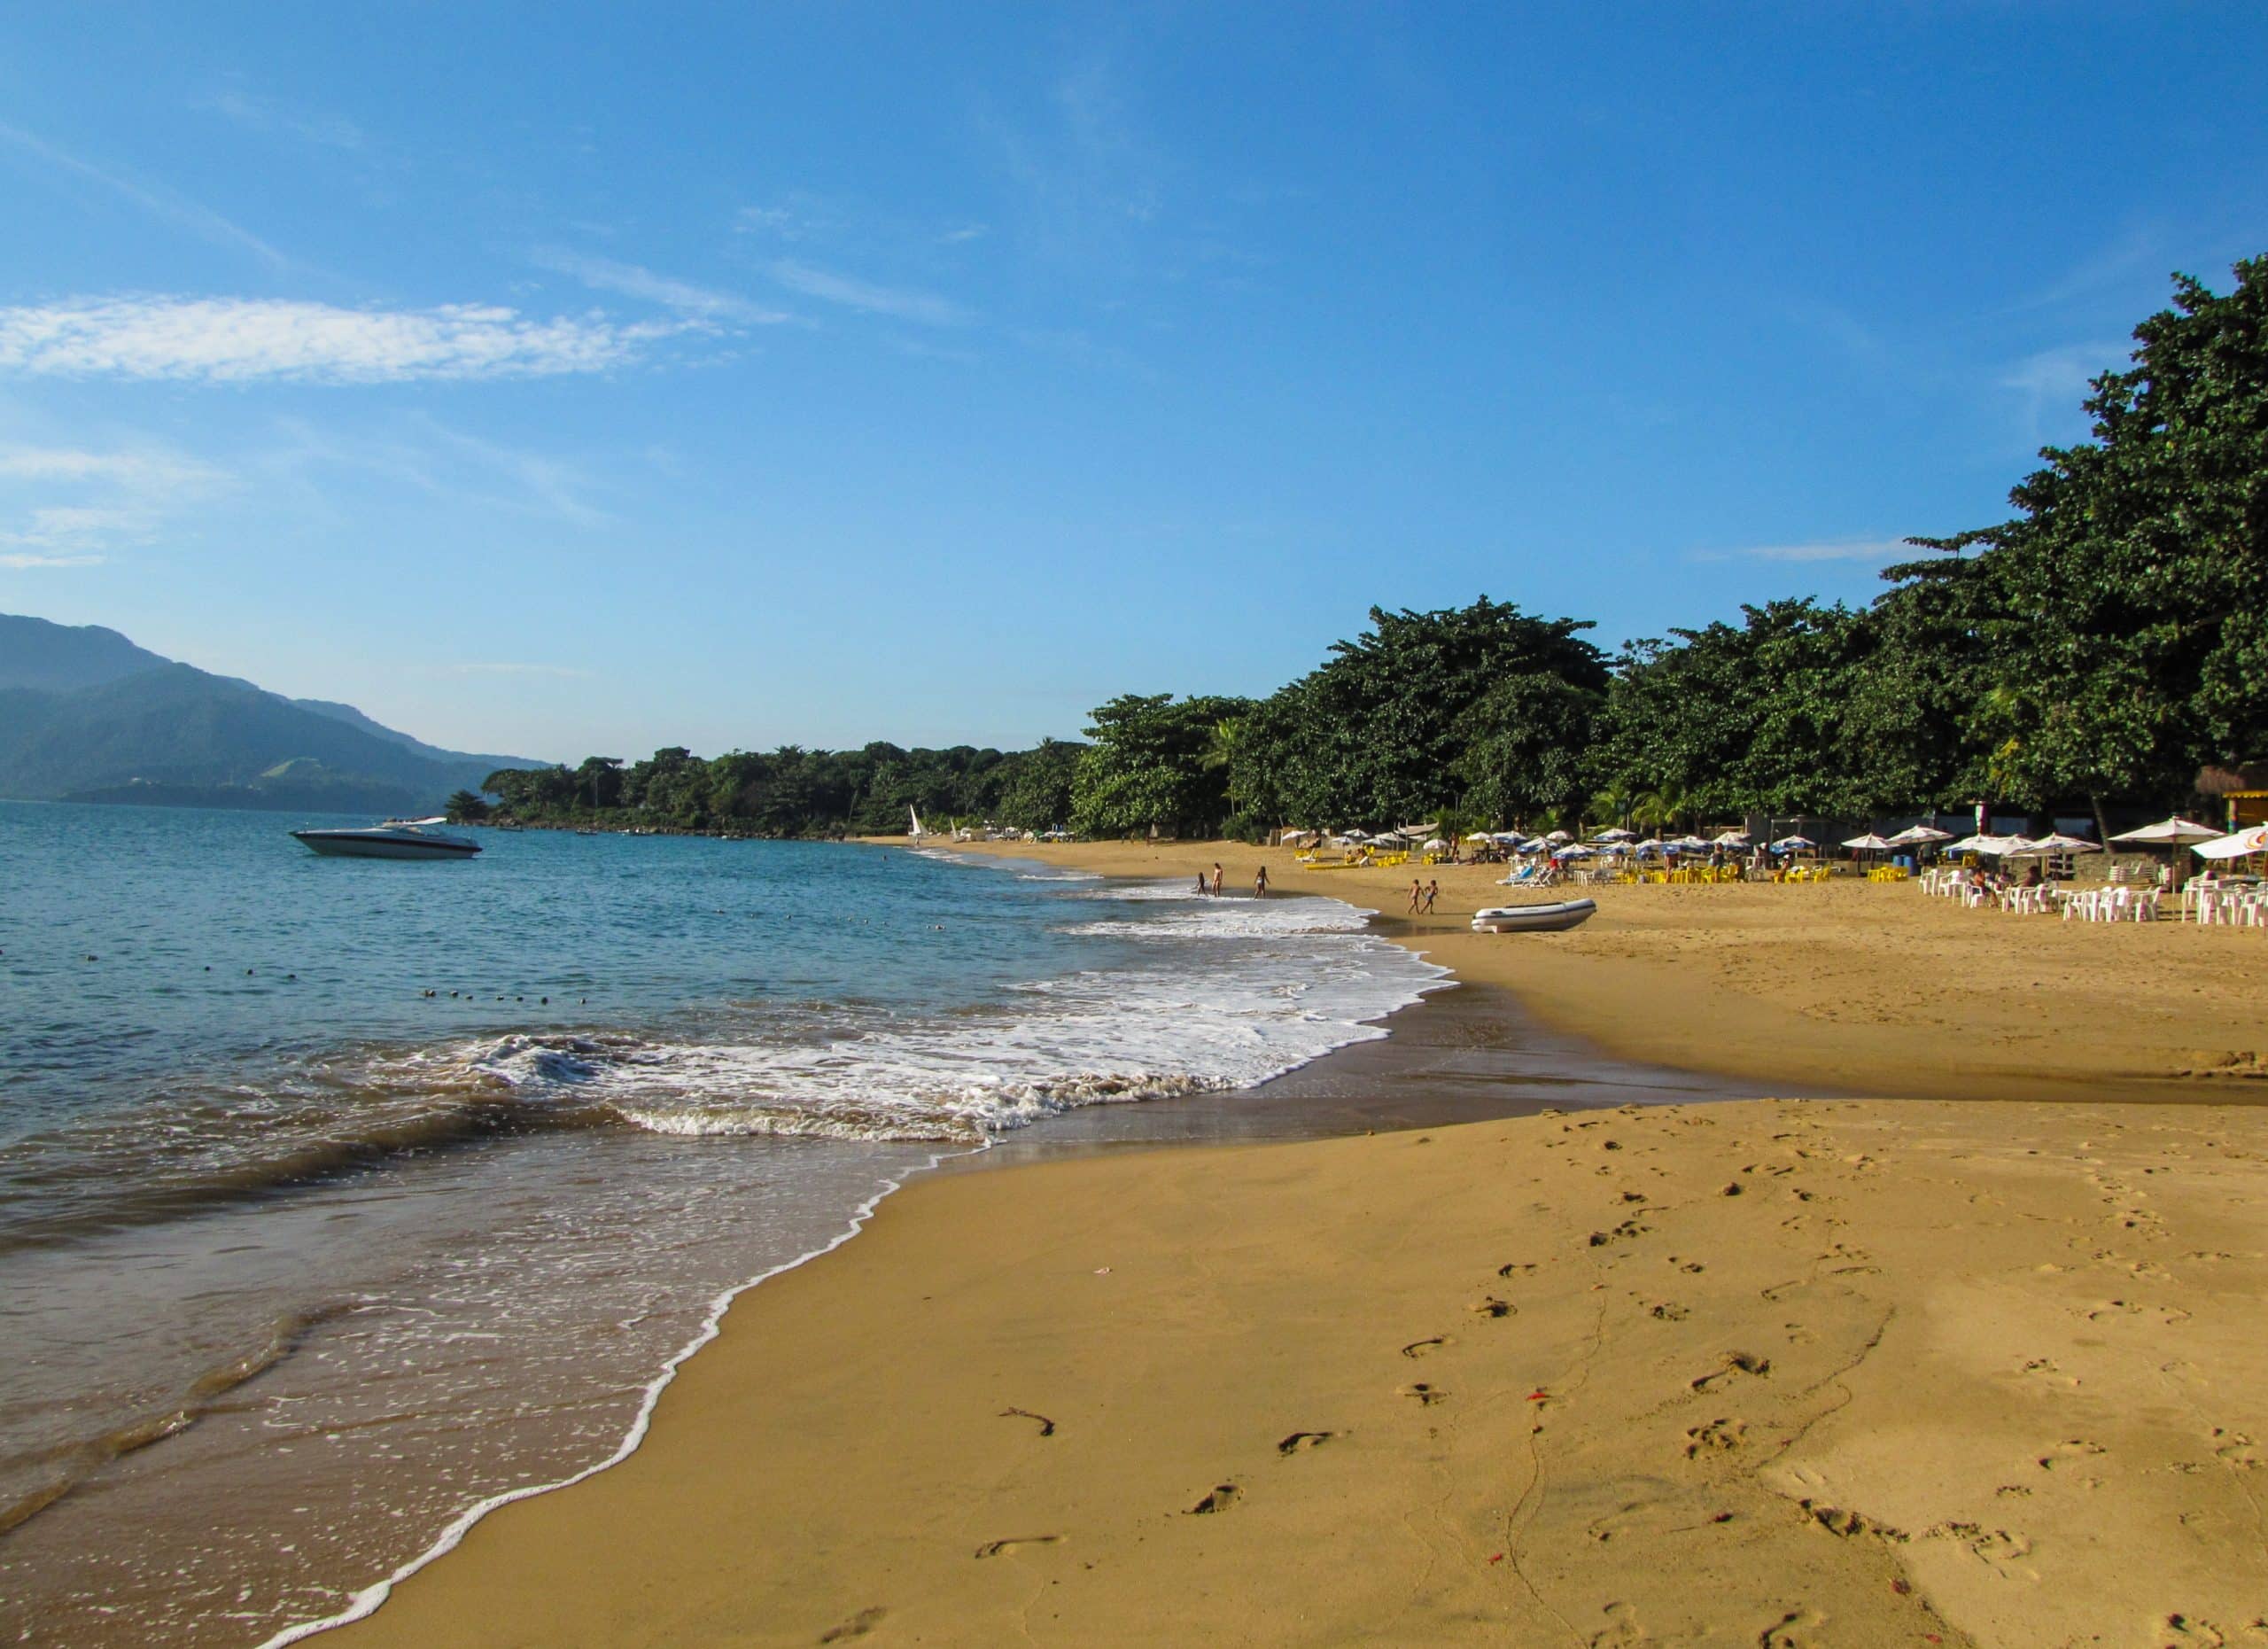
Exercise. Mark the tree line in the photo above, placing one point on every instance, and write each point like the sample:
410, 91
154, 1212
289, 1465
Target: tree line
2096, 649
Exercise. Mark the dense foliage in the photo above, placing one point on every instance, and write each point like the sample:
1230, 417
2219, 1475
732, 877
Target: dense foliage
2099, 648
791, 791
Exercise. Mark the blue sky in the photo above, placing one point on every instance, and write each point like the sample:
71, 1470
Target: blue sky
572, 378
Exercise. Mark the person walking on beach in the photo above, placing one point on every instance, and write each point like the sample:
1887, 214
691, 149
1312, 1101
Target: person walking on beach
1202, 889
1260, 883
1432, 892
1216, 878
1417, 893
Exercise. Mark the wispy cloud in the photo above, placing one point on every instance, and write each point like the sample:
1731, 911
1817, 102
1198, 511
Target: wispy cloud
243, 339
900, 303
630, 281
66, 507
167, 205
18, 560
2050, 384
1882, 550
261, 114
421, 452
497, 666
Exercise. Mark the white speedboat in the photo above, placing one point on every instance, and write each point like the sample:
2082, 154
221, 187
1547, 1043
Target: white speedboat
1555, 917
396, 838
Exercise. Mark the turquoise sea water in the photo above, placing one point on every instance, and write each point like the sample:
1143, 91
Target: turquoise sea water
342, 1195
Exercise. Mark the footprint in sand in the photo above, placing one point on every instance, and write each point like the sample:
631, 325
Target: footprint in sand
1008, 1548
1300, 1442
1427, 1396
859, 1625
1718, 1434
1489, 1305
1734, 1363
1420, 1348
1218, 1498
1515, 1267
2238, 1450
2068, 1453
1798, 1628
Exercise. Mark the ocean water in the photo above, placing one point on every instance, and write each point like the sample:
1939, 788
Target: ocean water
339, 1198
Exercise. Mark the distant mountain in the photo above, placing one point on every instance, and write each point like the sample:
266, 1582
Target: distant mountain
86, 715
59, 659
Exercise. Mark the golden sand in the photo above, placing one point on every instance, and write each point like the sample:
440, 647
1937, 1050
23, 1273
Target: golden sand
1767, 1372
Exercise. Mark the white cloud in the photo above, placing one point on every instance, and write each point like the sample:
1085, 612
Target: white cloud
62, 506
17, 562
243, 339
260, 114
157, 200
2050, 386
628, 279
499, 667
898, 302
1882, 550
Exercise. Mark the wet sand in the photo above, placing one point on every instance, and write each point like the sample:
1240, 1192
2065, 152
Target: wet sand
1746, 1370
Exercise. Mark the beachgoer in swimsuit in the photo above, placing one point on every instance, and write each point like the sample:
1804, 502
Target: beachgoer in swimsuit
1260, 884
1432, 892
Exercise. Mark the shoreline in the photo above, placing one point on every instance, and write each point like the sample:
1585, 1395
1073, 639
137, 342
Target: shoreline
770, 1411
1846, 986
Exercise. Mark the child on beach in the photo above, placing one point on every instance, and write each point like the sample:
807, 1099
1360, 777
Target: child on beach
1417, 893
1260, 883
1432, 892
1202, 889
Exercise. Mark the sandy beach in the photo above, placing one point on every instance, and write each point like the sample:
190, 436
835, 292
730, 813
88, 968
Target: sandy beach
1780, 1371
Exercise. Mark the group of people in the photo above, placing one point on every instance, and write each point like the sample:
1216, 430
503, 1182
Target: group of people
1210, 887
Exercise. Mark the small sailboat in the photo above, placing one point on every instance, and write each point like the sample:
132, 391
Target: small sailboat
1555, 917
395, 838
916, 832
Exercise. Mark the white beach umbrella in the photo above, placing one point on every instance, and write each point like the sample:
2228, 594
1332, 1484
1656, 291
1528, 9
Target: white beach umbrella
1791, 844
1480, 835
1691, 841
1508, 838
1616, 833
2251, 839
1919, 836
1573, 850
1979, 844
2174, 830
1869, 844
1651, 845
1357, 835
2056, 842
1434, 845
1730, 839
1558, 837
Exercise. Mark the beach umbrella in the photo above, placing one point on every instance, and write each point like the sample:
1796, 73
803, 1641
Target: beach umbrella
2174, 831
2056, 842
1573, 849
1869, 844
1919, 836
1651, 845
1480, 835
1558, 837
1979, 844
2251, 839
1730, 839
1616, 833
1432, 827
1792, 843
1434, 845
